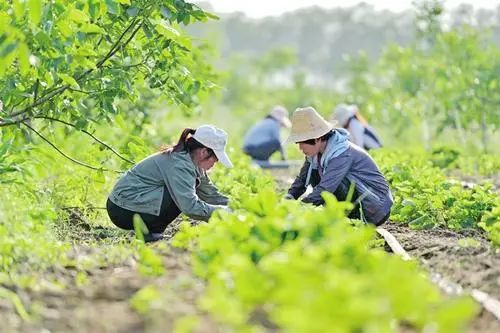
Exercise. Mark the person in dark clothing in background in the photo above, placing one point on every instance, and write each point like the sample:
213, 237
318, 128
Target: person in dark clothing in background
361, 134
263, 139
334, 164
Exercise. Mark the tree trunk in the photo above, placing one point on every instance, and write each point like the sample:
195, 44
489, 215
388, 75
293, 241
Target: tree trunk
460, 129
484, 131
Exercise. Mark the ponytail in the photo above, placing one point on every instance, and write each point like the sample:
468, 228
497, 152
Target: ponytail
186, 143
181, 144
360, 118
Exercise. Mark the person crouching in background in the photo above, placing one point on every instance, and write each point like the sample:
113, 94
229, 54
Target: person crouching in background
263, 139
361, 134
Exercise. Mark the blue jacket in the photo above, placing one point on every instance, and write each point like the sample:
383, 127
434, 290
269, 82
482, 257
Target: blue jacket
266, 131
342, 164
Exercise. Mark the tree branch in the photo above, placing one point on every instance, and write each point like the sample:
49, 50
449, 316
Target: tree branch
12, 122
64, 154
89, 92
89, 134
41, 100
116, 46
35, 95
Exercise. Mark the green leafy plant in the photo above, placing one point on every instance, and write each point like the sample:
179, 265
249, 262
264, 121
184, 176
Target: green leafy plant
314, 270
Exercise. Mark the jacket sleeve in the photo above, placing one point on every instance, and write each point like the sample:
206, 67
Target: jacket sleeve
181, 183
207, 192
299, 184
335, 172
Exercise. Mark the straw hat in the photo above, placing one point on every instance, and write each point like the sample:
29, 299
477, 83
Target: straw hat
308, 124
281, 115
343, 112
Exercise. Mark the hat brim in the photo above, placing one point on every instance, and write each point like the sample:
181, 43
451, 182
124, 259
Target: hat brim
295, 138
285, 122
223, 158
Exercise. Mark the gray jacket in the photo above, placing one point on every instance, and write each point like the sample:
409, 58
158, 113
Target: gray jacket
353, 166
141, 189
266, 131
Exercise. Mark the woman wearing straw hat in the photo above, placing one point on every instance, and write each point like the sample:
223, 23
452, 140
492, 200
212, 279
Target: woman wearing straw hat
263, 139
361, 134
334, 164
171, 181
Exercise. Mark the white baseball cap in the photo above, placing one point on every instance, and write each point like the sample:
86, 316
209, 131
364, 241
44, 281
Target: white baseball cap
215, 139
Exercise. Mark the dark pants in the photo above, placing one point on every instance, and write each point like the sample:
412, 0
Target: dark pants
263, 151
123, 218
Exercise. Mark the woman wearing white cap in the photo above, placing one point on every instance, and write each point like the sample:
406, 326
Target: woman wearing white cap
361, 134
263, 139
171, 181
333, 164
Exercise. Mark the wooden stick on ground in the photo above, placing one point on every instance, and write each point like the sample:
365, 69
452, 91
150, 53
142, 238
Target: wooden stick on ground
393, 243
489, 303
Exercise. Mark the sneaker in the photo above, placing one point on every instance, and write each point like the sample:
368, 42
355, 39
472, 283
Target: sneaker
153, 237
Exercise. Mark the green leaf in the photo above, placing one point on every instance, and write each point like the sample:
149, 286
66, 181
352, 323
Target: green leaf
120, 122
132, 11
43, 39
212, 16
65, 27
8, 49
113, 7
92, 10
180, 17
35, 11
85, 52
19, 10
23, 54
147, 30
166, 13
78, 16
91, 28
68, 80
165, 30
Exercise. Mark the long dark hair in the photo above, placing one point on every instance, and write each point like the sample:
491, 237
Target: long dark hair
186, 143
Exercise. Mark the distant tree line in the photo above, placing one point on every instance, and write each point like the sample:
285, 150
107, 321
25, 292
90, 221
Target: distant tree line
322, 38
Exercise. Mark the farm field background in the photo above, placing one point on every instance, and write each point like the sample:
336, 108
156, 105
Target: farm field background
90, 87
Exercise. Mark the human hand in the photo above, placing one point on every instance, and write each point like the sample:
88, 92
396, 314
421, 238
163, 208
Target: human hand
226, 209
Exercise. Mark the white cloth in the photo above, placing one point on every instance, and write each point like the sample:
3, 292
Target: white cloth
358, 136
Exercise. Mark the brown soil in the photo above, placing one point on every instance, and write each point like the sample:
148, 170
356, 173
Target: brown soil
102, 304
462, 257
447, 253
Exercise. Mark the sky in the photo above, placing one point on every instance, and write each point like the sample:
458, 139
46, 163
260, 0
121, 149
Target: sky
261, 8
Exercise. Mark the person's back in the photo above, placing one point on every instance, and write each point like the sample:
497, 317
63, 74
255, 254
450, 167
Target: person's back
265, 131
361, 134
263, 139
